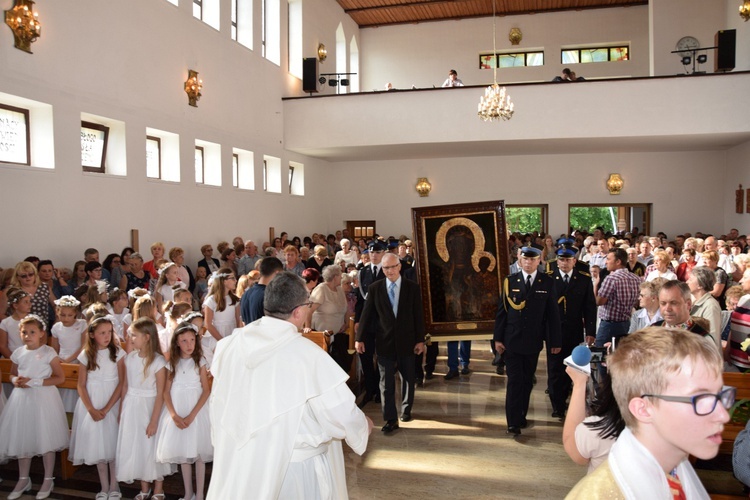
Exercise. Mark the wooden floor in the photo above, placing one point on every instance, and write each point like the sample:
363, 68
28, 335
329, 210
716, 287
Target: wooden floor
455, 447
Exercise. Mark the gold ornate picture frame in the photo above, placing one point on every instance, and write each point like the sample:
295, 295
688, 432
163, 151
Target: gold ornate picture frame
462, 258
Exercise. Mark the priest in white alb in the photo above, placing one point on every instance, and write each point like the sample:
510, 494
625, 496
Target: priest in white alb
280, 408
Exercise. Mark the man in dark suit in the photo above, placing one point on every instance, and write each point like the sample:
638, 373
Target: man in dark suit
395, 306
367, 276
577, 308
527, 315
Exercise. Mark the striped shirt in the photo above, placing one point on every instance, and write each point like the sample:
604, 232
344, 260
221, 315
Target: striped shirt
739, 332
621, 288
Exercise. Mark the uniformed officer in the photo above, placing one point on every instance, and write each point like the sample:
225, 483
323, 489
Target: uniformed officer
577, 308
527, 315
566, 243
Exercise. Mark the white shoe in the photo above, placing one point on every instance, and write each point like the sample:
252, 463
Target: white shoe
45, 494
19, 494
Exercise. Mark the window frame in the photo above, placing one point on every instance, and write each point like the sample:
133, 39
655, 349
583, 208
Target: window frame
199, 4
544, 216
595, 47
26, 116
265, 175
233, 19
104, 129
235, 170
158, 147
525, 53
203, 166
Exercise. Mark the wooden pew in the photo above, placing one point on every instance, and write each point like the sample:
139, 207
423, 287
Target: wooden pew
742, 382
70, 382
321, 339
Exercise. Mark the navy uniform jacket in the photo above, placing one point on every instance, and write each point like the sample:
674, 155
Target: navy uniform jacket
577, 306
395, 336
524, 322
365, 280
581, 266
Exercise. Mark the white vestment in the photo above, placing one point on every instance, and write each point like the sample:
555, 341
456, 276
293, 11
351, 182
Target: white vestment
279, 409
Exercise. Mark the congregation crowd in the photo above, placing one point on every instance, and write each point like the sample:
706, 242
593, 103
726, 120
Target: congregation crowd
145, 333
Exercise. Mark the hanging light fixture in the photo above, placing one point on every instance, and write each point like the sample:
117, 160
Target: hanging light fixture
24, 21
193, 87
495, 103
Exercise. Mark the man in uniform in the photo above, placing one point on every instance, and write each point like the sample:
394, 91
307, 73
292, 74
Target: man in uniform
527, 315
577, 308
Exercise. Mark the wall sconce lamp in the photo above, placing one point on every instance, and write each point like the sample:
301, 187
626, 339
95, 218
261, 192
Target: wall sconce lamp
615, 183
193, 87
23, 21
745, 10
515, 36
322, 52
423, 186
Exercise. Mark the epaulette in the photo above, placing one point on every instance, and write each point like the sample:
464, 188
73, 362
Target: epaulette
584, 273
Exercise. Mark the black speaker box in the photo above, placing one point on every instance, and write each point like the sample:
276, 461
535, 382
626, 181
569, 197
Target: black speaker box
310, 74
726, 43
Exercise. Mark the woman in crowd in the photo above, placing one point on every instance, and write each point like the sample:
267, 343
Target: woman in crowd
311, 277
117, 272
137, 277
228, 258
549, 251
177, 255
701, 282
50, 277
27, 279
320, 259
328, 302
661, 261
687, 264
292, 262
79, 274
157, 251
346, 254
711, 261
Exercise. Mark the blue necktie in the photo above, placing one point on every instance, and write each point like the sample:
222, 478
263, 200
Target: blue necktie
392, 296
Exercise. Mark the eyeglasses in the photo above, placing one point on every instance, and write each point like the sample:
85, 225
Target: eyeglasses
703, 404
24, 276
385, 268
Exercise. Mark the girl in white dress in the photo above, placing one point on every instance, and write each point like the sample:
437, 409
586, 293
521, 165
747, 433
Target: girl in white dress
118, 308
173, 313
220, 310
143, 398
100, 380
68, 337
185, 431
168, 278
19, 305
33, 422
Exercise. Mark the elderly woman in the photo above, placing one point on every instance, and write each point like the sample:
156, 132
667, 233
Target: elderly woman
661, 261
649, 313
26, 277
177, 255
157, 251
711, 261
137, 277
320, 259
688, 262
346, 254
292, 262
701, 282
741, 262
328, 309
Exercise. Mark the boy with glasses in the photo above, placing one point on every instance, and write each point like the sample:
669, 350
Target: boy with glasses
669, 389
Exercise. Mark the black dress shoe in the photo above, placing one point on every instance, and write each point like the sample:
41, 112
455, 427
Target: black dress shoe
465, 371
406, 417
558, 414
390, 426
376, 398
428, 375
451, 374
512, 429
500, 370
524, 425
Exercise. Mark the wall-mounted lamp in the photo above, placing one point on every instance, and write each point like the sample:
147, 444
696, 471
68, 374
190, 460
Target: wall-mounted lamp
322, 52
745, 10
615, 183
193, 87
515, 36
23, 21
423, 186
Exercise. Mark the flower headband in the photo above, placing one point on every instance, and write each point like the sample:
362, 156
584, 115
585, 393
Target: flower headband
18, 297
216, 275
136, 292
67, 301
103, 317
191, 316
38, 318
186, 326
165, 267
101, 286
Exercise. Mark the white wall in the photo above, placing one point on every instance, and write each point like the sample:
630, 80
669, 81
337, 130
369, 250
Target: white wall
422, 54
129, 64
683, 187
738, 172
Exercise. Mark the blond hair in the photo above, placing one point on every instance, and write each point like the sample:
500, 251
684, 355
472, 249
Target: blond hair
645, 361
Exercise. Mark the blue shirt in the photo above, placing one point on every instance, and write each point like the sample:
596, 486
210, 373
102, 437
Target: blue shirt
251, 303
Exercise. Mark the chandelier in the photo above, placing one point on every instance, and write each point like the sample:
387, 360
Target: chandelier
24, 21
745, 10
495, 103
